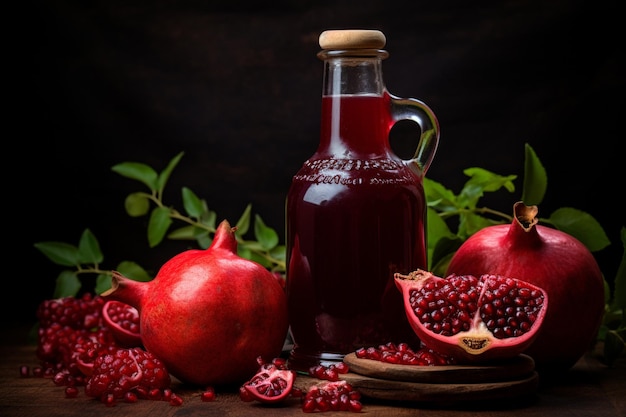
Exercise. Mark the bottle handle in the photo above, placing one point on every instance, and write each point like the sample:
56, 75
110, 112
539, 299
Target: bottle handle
418, 112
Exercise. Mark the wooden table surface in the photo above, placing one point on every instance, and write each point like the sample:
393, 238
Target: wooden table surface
588, 389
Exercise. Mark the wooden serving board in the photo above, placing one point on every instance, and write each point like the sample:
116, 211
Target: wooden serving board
385, 389
511, 379
512, 369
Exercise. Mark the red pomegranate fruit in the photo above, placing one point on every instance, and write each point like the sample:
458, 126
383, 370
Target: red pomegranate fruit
473, 319
208, 314
552, 260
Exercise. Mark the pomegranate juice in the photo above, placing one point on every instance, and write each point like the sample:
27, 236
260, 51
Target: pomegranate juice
355, 216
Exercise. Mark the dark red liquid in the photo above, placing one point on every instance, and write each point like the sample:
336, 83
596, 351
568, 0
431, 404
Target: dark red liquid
355, 216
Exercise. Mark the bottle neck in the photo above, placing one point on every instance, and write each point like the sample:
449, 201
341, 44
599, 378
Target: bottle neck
353, 72
355, 105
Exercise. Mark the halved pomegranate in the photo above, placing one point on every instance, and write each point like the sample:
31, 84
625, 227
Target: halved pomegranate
473, 319
123, 321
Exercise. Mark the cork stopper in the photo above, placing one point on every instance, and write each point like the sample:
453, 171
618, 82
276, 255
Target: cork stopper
352, 39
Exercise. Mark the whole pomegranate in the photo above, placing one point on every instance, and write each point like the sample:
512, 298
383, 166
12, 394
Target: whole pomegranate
470, 318
552, 260
208, 314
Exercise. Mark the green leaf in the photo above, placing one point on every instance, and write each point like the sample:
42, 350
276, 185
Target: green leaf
67, 285
243, 224
103, 283
619, 293
193, 205
279, 252
137, 204
244, 252
613, 346
59, 252
89, 249
133, 271
159, 222
138, 171
481, 181
204, 241
436, 229
267, 237
580, 225
165, 174
535, 178
129, 269
256, 257
489, 181
252, 245
470, 223
441, 265
185, 233
209, 219
439, 197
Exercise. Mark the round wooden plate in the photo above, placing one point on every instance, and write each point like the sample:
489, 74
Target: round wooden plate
514, 369
449, 394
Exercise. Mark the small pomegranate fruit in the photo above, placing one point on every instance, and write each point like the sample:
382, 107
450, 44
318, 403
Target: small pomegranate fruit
208, 314
123, 320
473, 319
552, 260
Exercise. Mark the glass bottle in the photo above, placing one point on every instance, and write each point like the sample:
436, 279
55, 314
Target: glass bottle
355, 211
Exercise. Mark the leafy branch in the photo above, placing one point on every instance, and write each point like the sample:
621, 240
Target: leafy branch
446, 209
200, 220
199, 225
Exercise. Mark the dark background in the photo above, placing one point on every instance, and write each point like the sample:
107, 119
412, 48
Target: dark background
238, 90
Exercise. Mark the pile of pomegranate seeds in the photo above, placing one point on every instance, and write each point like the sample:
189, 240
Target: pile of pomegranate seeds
330, 372
129, 374
332, 396
403, 354
77, 349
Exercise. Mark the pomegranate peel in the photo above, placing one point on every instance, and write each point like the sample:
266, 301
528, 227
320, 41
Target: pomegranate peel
123, 321
473, 319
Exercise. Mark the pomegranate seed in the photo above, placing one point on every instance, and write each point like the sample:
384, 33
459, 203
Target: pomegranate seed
167, 394
38, 371
209, 394
71, 392
109, 400
24, 371
342, 368
130, 397
176, 400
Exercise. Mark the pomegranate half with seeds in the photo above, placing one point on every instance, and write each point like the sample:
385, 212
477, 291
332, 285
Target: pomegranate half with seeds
208, 314
472, 318
123, 320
